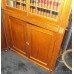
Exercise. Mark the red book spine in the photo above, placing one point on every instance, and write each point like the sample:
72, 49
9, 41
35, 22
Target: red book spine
49, 4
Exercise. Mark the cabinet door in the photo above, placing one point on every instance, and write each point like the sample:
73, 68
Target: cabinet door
42, 43
6, 26
18, 32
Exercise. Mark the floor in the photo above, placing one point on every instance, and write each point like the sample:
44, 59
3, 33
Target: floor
12, 63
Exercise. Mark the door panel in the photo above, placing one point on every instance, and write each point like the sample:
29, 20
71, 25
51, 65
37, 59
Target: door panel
6, 26
41, 40
18, 32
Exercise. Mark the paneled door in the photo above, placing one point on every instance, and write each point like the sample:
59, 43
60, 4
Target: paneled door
42, 43
18, 33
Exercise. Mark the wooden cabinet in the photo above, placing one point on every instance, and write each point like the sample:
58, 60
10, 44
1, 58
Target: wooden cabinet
36, 30
42, 43
39, 44
36, 42
39, 40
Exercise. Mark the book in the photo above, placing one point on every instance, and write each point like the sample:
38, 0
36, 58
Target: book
39, 10
48, 13
30, 8
44, 12
24, 1
45, 3
21, 6
55, 8
54, 13
33, 9
56, 5
33, 2
40, 4
49, 4
11, 3
24, 6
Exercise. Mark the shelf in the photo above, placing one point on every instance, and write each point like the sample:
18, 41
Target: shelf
23, 2
47, 9
32, 5
18, 1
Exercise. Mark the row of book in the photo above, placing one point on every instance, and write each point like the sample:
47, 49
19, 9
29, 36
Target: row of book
49, 4
21, 6
34, 9
43, 12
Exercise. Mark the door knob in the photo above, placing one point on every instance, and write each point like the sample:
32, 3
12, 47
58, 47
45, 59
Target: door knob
27, 43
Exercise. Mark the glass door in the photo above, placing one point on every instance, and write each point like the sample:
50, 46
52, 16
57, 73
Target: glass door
46, 8
11, 3
19, 4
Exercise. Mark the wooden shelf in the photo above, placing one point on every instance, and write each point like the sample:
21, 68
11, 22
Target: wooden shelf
32, 5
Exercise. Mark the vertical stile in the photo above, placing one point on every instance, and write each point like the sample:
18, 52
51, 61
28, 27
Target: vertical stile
15, 3
36, 6
27, 6
52, 5
56, 8
60, 8
11, 3
49, 4
45, 6
48, 7
42, 3
24, 4
20, 4
39, 5
30, 5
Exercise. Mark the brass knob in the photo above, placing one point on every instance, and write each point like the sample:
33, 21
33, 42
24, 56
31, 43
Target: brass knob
27, 43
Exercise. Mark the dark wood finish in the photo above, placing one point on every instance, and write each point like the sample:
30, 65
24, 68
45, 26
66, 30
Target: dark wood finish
41, 43
38, 44
56, 48
3, 39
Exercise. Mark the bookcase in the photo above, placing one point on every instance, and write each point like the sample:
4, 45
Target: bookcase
35, 28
